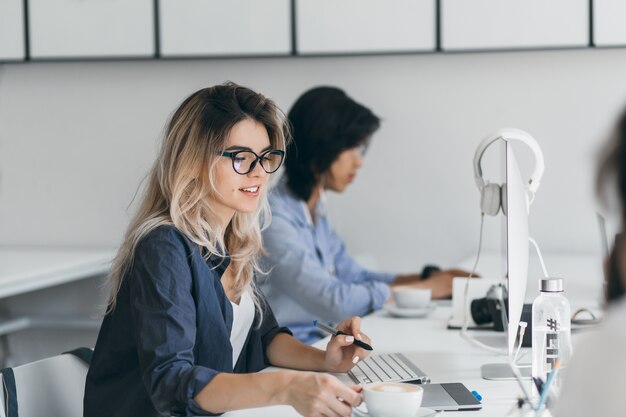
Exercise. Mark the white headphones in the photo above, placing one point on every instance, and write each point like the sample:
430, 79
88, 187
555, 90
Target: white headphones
492, 195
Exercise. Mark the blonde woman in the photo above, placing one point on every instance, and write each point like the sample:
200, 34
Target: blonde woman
185, 330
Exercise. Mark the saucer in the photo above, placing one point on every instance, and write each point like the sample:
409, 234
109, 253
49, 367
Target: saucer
396, 311
422, 412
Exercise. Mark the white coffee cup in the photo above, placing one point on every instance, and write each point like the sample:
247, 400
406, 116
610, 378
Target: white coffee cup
410, 297
385, 399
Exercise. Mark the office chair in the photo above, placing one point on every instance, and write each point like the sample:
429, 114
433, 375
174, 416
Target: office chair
52, 387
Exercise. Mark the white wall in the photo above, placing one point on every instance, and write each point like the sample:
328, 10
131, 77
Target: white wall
76, 139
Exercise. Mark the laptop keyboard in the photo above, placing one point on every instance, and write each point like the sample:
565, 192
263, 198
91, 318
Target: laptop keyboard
386, 367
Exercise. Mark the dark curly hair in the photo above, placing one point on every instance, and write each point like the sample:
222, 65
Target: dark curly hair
325, 122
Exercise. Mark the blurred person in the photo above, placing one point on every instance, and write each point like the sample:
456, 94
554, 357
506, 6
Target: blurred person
311, 274
593, 384
185, 330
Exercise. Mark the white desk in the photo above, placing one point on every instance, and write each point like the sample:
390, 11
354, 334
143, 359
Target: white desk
24, 270
27, 269
446, 357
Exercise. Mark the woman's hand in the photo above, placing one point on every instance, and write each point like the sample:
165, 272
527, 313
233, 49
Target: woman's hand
341, 353
321, 395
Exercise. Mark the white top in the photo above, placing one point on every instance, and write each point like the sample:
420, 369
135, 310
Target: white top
243, 316
594, 383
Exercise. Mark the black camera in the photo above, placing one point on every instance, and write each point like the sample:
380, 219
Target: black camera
493, 308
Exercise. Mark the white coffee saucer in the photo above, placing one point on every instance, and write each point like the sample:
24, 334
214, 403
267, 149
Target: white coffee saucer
396, 311
422, 412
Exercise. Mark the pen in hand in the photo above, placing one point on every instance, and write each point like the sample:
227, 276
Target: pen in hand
335, 332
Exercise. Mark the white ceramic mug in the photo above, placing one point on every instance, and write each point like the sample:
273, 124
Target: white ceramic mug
386, 399
409, 297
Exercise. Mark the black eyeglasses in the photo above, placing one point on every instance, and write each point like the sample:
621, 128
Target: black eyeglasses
245, 161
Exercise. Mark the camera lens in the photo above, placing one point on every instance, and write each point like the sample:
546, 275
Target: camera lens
480, 311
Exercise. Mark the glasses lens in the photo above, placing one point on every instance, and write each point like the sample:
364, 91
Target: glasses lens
271, 161
242, 161
361, 149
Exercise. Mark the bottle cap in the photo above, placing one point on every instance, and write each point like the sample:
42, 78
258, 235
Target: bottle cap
551, 285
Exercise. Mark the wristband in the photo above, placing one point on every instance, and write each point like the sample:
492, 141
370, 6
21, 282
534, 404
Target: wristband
428, 270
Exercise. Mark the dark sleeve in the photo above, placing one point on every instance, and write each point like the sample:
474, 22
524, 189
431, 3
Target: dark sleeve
269, 328
164, 325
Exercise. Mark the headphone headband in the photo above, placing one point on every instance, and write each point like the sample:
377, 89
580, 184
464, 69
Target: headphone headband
507, 134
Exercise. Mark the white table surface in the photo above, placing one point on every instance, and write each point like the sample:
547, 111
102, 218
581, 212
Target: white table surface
28, 269
446, 357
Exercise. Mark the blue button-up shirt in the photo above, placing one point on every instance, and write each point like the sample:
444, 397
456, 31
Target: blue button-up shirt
312, 276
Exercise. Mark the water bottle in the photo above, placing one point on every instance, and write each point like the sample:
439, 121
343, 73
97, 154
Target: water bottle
551, 330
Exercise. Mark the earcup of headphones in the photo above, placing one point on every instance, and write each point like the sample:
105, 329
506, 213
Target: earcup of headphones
490, 198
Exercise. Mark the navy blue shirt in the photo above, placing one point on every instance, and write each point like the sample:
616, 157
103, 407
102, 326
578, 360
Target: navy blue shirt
169, 334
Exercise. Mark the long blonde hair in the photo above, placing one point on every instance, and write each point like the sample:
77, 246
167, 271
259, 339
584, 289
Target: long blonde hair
181, 184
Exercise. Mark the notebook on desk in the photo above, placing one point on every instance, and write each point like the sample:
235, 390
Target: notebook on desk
387, 367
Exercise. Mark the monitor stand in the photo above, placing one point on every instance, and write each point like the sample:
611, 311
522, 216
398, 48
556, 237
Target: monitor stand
502, 372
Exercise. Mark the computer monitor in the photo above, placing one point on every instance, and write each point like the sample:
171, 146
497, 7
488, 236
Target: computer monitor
515, 247
516, 203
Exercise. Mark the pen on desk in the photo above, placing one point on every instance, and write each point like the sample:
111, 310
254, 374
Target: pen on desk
335, 332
